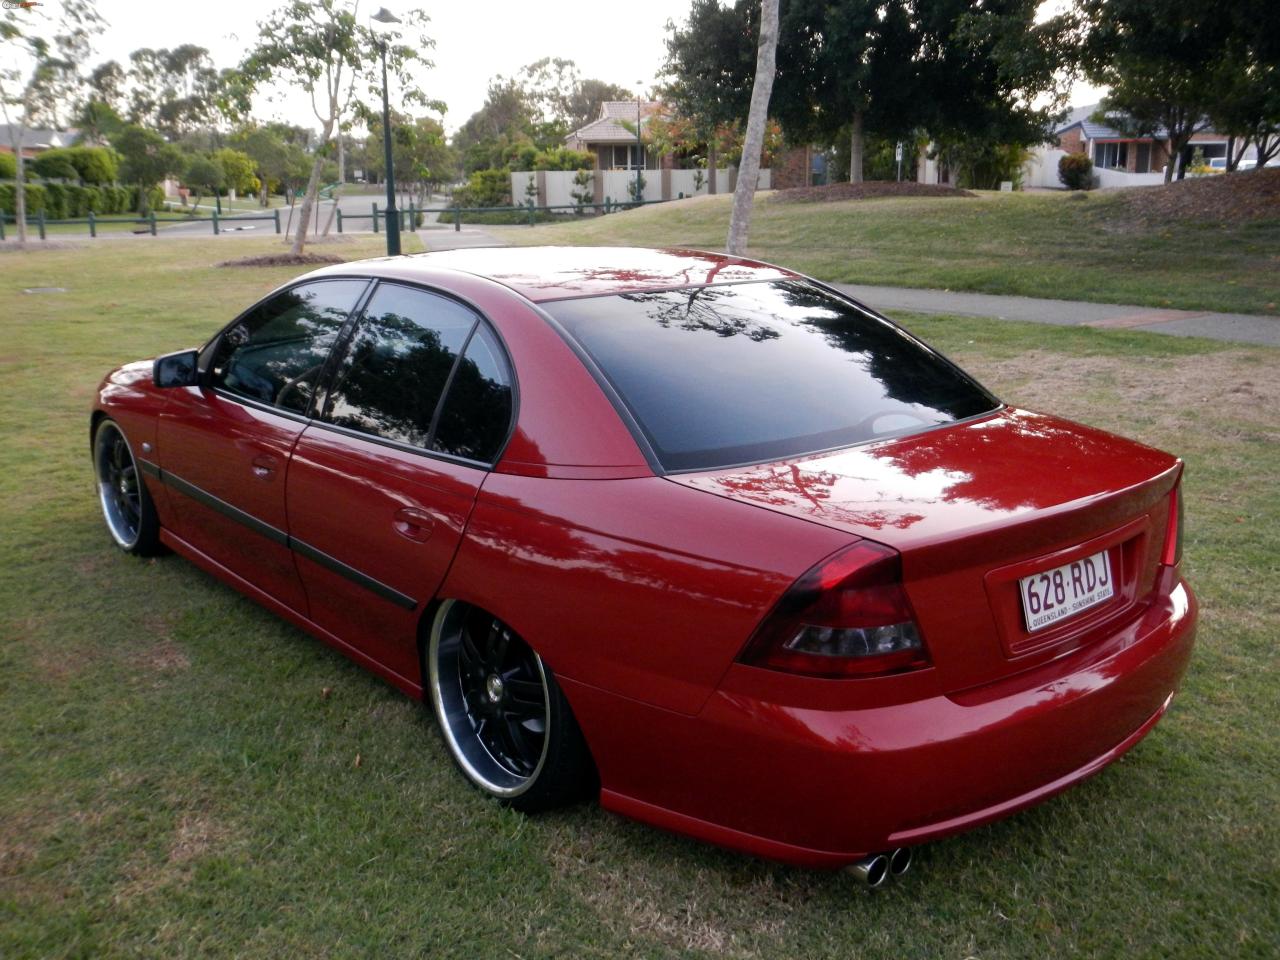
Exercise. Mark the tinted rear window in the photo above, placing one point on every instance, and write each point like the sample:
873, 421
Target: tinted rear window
722, 375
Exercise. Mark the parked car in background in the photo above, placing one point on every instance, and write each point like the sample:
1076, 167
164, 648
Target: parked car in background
693, 534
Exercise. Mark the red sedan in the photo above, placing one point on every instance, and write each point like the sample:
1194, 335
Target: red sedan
697, 533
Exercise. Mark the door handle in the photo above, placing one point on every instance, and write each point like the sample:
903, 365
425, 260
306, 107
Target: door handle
414, 524
264, 466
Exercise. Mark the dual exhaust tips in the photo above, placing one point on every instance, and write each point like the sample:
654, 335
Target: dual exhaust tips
874, 870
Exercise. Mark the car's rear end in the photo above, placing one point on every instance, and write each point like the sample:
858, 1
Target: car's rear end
1006, 617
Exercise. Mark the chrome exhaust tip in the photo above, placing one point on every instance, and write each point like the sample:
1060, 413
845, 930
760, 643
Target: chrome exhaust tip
870, 871
899, 862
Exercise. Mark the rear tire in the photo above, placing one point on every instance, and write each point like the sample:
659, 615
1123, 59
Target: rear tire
505, 721
127, 508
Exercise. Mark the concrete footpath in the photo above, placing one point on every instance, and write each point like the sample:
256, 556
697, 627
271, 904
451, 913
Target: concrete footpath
1238, 327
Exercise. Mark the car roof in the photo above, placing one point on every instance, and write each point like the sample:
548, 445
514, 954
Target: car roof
556, 273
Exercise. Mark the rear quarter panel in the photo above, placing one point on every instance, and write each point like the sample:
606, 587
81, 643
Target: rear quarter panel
640, 587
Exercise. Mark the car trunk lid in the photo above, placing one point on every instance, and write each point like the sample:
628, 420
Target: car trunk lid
975, 506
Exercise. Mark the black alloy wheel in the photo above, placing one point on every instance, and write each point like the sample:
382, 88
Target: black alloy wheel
126, 506
505, 721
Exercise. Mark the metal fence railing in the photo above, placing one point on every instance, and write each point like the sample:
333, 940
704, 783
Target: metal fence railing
408, 216
142, 224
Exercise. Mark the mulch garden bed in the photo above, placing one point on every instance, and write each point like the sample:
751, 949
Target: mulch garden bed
1222, 197
284, 260
867, 190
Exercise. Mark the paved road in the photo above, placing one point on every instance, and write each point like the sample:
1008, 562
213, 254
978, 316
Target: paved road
1241, 327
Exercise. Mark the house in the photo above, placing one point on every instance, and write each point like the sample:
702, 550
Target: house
1119, 159
611, 137
34, 141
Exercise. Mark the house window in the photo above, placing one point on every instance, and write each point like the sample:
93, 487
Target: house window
627, 157
1112, 155
1144, 158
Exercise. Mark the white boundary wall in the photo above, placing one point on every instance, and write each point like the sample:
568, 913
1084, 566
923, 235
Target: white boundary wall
1041, 170
616, 184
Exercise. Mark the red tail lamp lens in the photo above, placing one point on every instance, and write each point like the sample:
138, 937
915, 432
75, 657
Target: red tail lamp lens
847, 617
1173, 531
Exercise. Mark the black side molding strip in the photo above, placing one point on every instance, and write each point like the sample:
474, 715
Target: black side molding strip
352, 574
227, 510
276, 535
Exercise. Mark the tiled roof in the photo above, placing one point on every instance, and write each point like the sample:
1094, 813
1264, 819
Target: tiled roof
1100, 131
609, 127
35, 138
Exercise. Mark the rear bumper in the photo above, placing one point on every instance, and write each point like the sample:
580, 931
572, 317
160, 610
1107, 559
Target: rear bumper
760, 773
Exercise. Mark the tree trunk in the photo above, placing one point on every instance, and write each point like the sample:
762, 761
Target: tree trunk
20, 196
342, 162
855, 149
753, 144
712, 160
1174, 153
313, 190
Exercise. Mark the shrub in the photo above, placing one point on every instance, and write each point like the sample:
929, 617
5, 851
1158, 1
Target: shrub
8, 166
35, 198
1075, 170
562, 158
95, 165
485, 188
55, 206
583, 191
54, 164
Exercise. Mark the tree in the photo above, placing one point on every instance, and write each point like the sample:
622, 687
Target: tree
846, 67
753, 144
321, 46
278, 154
1158, 57
146, 159
39, 63
173, 91
237, 170
203, 174
1246, 103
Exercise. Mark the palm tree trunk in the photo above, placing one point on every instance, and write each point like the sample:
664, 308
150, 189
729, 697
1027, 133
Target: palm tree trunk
753, 143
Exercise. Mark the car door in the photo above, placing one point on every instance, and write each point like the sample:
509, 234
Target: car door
224, 446
383, 480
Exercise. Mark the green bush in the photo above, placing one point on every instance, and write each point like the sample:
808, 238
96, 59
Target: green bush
55, 205
54, 164
95, 165
485, 188
1075, 170
562, 158
507, 217
36, 198
8, 166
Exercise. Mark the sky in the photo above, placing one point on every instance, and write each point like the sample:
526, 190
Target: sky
618, 43
615, 42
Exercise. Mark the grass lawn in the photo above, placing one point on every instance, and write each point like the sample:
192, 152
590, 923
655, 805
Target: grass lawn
182, 774
1031, 244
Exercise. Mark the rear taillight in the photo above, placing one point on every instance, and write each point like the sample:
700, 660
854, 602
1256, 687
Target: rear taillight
847, 617
1173, 531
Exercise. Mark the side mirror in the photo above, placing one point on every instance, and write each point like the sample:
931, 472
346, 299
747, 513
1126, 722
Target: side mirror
179, 369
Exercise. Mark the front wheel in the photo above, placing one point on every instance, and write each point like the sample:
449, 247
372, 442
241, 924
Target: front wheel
505, 721
126, 506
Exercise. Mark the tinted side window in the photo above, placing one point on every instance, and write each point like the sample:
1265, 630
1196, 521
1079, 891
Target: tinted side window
395, 370
476, 414
274, 354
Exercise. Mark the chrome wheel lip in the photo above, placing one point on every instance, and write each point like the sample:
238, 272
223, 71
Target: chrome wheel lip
472, 755
122, 532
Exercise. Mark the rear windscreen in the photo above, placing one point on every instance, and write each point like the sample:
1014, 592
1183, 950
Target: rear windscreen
723, 375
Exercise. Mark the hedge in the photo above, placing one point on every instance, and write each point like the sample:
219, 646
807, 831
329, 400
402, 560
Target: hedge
68, 201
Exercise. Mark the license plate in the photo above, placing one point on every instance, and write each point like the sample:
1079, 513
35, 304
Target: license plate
1052, 595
